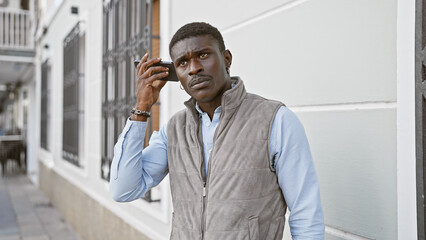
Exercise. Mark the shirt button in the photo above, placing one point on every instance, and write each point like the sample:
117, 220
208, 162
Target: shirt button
208, 124
210, 151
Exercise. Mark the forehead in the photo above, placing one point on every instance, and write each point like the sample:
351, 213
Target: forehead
193, 44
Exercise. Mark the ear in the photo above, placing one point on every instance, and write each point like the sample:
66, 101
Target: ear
227, 55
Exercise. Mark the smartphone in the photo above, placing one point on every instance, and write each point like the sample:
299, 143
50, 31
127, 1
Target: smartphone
172, 71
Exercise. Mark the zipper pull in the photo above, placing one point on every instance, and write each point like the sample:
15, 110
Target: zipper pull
204, 191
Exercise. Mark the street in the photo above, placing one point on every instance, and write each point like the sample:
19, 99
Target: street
27, 214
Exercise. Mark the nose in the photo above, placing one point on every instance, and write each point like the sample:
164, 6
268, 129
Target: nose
195, 67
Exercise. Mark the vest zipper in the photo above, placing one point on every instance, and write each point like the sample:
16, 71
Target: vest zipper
205, 197
203, 217
205, 193
206, 178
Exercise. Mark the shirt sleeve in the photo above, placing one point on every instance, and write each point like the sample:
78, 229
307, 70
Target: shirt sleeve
135, 170
289, 148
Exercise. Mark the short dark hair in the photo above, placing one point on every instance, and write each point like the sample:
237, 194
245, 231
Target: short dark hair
197, 29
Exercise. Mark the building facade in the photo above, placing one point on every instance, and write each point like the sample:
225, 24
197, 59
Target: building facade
346, 68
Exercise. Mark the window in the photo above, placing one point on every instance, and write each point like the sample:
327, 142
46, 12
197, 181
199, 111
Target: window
130, 28
45, 105
73, 93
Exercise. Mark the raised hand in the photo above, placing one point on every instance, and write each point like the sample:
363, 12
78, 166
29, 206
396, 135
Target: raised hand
148, 85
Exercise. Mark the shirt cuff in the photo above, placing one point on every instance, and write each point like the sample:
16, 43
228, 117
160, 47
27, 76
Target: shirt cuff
135, 129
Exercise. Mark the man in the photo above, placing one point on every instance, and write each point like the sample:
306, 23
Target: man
236, 160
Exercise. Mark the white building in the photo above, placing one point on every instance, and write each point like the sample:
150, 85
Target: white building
347, 68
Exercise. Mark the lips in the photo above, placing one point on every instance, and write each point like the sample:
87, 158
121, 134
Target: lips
199, 82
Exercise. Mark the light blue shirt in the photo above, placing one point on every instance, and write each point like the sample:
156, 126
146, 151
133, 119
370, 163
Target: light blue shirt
135, 170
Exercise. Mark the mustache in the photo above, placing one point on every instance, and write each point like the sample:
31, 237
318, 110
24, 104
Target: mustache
199, 78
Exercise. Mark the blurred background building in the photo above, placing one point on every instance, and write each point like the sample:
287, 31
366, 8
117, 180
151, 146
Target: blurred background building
352, 70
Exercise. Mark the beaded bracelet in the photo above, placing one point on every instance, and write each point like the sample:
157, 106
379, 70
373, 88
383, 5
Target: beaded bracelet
140, 113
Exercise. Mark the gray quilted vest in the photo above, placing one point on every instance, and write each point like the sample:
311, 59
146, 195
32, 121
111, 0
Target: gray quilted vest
240, 198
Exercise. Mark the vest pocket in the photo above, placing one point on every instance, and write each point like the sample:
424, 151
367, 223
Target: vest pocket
253, 228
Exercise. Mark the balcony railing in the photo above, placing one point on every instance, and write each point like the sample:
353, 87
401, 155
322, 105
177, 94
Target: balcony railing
15, 30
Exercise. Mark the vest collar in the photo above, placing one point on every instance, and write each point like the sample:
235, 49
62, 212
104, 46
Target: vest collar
231, 99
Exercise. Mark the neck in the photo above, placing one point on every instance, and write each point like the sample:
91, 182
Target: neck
210, 106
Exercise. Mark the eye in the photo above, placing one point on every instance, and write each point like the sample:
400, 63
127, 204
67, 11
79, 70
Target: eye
203, 55
182, 63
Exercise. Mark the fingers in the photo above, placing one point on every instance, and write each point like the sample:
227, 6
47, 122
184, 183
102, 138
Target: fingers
144, 64
148, 73
144, 58
154, 70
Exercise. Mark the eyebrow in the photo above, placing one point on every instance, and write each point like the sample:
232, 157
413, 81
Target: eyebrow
204, 49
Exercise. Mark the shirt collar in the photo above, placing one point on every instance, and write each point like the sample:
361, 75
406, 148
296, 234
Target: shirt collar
201, 112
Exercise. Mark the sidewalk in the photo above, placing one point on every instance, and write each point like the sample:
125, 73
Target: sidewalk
27, 214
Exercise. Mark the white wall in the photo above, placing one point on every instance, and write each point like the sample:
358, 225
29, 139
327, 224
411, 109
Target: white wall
33, 129
334, 63
406, 148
